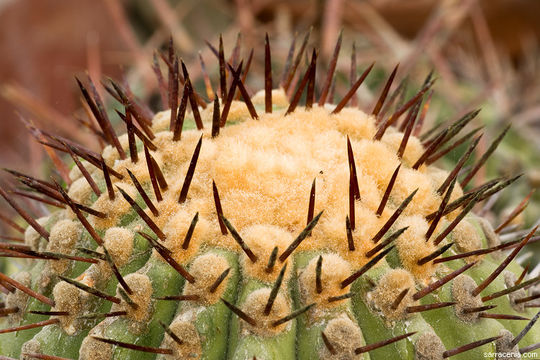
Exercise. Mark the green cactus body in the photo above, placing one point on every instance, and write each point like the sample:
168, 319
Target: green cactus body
163, 278
270, 343
310, 343
201, 249
42, 282
67, 344
209, 316
245, 346
378, 329
461, 332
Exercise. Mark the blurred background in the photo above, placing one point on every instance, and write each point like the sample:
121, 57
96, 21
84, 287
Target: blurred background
485, 54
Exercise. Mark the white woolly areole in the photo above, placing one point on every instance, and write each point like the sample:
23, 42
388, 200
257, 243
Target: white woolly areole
345, 336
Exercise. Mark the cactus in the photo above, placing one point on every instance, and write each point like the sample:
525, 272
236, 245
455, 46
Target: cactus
260, 228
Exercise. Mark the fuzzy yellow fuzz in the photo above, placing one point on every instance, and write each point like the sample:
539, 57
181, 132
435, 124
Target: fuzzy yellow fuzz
264, 170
